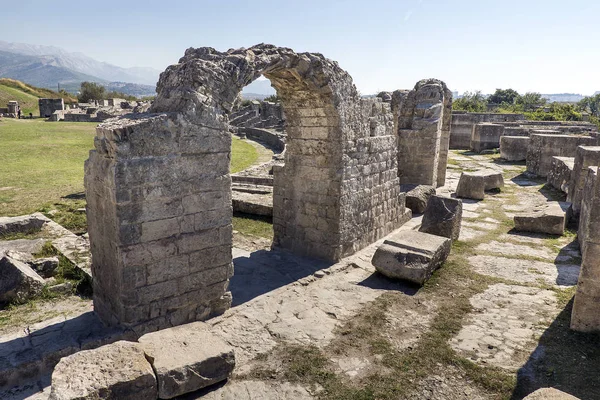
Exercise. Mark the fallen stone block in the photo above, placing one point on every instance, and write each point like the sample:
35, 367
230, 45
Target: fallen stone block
187, 358
411, 256
514, 148
493, 179
27, 246
549, 219
61, 288
18, 282
471, 186
21, 224
417, 196
442, 217
550, 394
252, 203
115, 371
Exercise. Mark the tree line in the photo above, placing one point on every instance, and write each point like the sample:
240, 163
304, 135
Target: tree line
92, 91
531, 104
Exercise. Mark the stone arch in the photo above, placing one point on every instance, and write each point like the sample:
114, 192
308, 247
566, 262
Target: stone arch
159, 190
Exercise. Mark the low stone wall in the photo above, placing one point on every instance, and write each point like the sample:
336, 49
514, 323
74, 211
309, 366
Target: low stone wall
461, 129
486, 136
585, 157
542, 147
585, 316
76, 117
561, 169
273, 139
514, 148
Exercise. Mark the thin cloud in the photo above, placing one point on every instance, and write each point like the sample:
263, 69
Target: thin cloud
408, 15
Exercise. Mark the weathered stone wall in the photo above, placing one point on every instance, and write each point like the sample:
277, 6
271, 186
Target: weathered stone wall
585, 316
423, 126
49, 106
585, 157
160, 210
462, 125
544, 146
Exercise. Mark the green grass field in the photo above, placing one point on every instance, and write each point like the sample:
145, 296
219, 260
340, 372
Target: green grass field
26, 95
42, 162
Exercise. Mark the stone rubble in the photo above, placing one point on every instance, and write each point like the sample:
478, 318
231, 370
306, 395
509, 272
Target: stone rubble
443, 217
417, 196
18, 282
551, 219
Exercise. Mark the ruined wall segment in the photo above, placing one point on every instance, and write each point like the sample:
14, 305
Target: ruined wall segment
160, 189
423, 127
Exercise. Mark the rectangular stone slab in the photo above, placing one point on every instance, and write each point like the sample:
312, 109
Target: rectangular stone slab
187, 358
549, 219
411, 256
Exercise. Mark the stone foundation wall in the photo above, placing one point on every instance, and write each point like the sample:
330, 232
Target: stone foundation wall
462, 124
542, 147
585, 316
585, 157
272, 138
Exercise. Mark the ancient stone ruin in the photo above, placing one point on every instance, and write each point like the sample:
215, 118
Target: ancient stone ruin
11, 110
50, 106
159, 190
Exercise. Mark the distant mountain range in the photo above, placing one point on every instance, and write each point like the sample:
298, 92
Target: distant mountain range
49, 67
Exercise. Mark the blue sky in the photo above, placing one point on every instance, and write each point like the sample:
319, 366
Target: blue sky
546, 46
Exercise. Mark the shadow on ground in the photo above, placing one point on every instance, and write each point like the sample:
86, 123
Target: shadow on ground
564, 359
262, 271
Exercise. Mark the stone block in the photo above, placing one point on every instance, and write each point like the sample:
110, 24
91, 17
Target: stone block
45, 267
411, 255
417, 196
115, 371
550, 218
18, 282
493, 179
486, 136
20, 224
187, 358
442, 217
585, 157
471, 186
514, 148
560, 172
543, 146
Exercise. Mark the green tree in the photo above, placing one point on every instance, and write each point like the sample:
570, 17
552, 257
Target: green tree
90, 91
531, 101
590, 104
272, 98
504, 96
470, 102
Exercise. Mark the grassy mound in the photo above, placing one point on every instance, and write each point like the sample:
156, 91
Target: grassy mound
27, 95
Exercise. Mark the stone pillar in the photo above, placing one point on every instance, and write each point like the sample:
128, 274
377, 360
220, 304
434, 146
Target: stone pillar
486, 136
424, 117
586, 307
159, 216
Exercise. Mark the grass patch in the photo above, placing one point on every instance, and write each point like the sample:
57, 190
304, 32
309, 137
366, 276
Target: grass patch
253, 225
41, 162
243, 155
68, 213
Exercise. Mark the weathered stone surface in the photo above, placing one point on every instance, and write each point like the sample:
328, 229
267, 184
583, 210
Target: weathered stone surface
411, 255
18, 282
514, 148
543, 146
549, 219
187, 358
486, 136
46, 266
423, 116
560, 172
493, 179
115, 371
417, 196
27, 246
443, 217
21, 224
471, 186
550, 394
252, 203
61, 288
585, 157
258, 390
